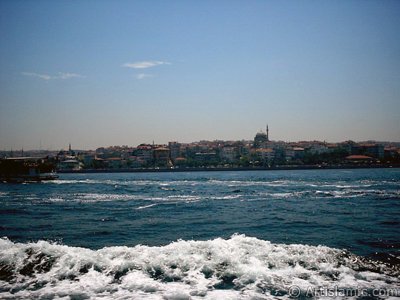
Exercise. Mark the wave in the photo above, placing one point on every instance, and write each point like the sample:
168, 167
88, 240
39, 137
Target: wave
97, 197
350, 193
145, 206
106, 197
240, 267
236, 194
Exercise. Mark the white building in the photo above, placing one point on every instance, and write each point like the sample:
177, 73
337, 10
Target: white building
228, 153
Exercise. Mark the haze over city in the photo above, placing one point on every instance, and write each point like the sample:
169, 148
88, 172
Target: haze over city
100, 73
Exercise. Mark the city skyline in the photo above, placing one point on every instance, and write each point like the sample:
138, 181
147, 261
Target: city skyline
153, 143
108, 73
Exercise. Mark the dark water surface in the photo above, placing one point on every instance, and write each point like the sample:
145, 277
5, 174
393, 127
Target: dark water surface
357, 210
354, 209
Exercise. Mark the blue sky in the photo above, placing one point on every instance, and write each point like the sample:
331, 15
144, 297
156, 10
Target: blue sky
100, 73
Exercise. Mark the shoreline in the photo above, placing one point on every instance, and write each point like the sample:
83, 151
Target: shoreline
219, 169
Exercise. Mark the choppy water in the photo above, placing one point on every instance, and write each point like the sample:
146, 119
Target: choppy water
202, 235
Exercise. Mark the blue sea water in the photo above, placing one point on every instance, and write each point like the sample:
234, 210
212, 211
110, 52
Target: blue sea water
206, 235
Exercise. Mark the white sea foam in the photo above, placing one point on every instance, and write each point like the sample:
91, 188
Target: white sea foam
103, 182
186, 198
74, 181
282, 195
237, 183
55, 199
228, 197
238, 268
145, 206
94, 197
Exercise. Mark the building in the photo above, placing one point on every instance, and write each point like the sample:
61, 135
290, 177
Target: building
115, 162
318, 148
261, 139
374, 150
175, 150
359, 159
298, 152
87, 158
264, 156
228, 154
161, 157
144, 154
204, 158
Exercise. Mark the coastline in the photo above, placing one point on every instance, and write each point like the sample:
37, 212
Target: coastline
208, 169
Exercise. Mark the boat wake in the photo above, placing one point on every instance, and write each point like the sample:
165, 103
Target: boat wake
240, 267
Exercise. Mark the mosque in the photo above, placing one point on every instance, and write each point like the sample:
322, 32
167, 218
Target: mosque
261, 139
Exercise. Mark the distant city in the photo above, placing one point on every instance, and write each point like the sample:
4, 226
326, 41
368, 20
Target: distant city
261, 152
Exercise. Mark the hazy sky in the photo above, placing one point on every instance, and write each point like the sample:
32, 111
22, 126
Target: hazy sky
101, 73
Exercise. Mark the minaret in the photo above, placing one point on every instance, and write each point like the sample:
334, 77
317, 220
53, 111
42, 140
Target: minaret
267, 134
69, 148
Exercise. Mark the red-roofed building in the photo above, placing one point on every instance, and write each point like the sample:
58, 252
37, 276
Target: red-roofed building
359, 158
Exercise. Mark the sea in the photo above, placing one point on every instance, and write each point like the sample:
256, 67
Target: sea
284, 234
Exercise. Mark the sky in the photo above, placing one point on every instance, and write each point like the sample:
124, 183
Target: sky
101, 73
